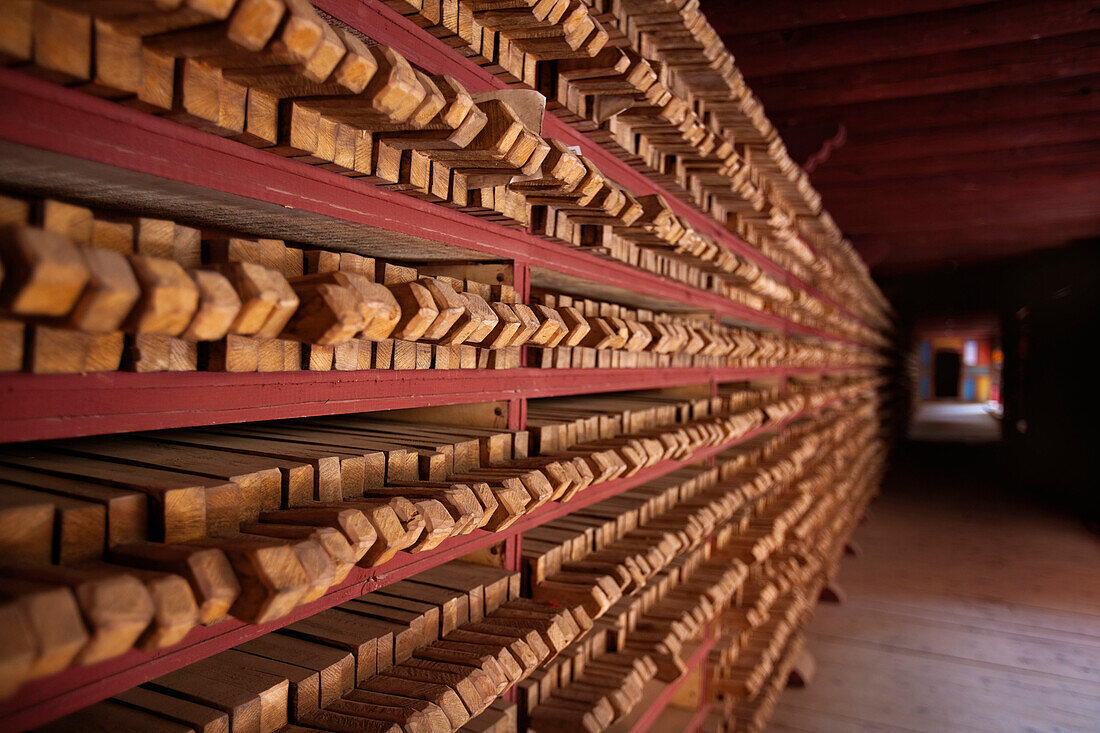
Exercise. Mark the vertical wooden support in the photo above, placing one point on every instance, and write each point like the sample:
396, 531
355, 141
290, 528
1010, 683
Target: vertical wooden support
517, 420
517, 413
802, 673
513, 552
784, 374
521, 281
832, 593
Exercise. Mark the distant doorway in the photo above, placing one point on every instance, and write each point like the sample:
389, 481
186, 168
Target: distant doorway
948, 370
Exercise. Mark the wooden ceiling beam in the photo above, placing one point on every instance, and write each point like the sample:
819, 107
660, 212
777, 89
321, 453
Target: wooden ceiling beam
1001, 218
1086, 153
962, 139
894, 255
881, 39
971, 126
1016, 102
946, 237
969, 184
995, 205
931, 208
1029, 62
752, 16
978, 236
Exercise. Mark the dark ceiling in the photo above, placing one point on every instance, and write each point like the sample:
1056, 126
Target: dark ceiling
937, 131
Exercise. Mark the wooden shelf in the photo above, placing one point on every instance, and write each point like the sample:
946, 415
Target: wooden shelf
61, 142
376, 20
640, 721
48, 698
46, 406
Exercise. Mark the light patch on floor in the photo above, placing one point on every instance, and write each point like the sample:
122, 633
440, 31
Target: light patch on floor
954, 422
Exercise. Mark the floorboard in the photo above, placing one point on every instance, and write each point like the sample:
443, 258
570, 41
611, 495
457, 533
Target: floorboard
970, 608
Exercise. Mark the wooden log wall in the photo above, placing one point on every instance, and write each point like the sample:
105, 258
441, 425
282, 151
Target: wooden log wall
660, 418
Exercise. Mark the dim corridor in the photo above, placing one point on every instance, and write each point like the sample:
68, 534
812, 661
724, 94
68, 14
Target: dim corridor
967, 609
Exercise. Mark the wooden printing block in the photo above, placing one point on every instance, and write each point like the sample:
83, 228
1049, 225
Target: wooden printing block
181, 506
418, 310
44, 272
169, 297
331, 540
335, 667
442, 696
169, 707
410, 707
271, 576
110, 294
50, 618
207, 571
115, 606
218, 307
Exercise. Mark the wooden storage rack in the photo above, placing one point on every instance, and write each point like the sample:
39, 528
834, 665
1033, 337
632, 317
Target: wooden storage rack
54, 139
73, 689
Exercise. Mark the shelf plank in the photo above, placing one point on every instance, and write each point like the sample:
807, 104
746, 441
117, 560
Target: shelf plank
47, 406
49, 698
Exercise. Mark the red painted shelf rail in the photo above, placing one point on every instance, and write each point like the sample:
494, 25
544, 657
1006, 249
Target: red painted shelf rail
49, 698
46, 406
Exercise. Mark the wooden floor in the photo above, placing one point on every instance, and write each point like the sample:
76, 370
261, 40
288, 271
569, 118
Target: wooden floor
969, 609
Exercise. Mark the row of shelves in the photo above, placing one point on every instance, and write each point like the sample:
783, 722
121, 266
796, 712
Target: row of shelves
61, 142
41, 407
48, 698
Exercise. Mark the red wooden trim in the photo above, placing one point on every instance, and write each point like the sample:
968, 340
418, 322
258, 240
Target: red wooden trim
43, 700
44, 406
517, 413
522, 282
513, 553
699, 658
